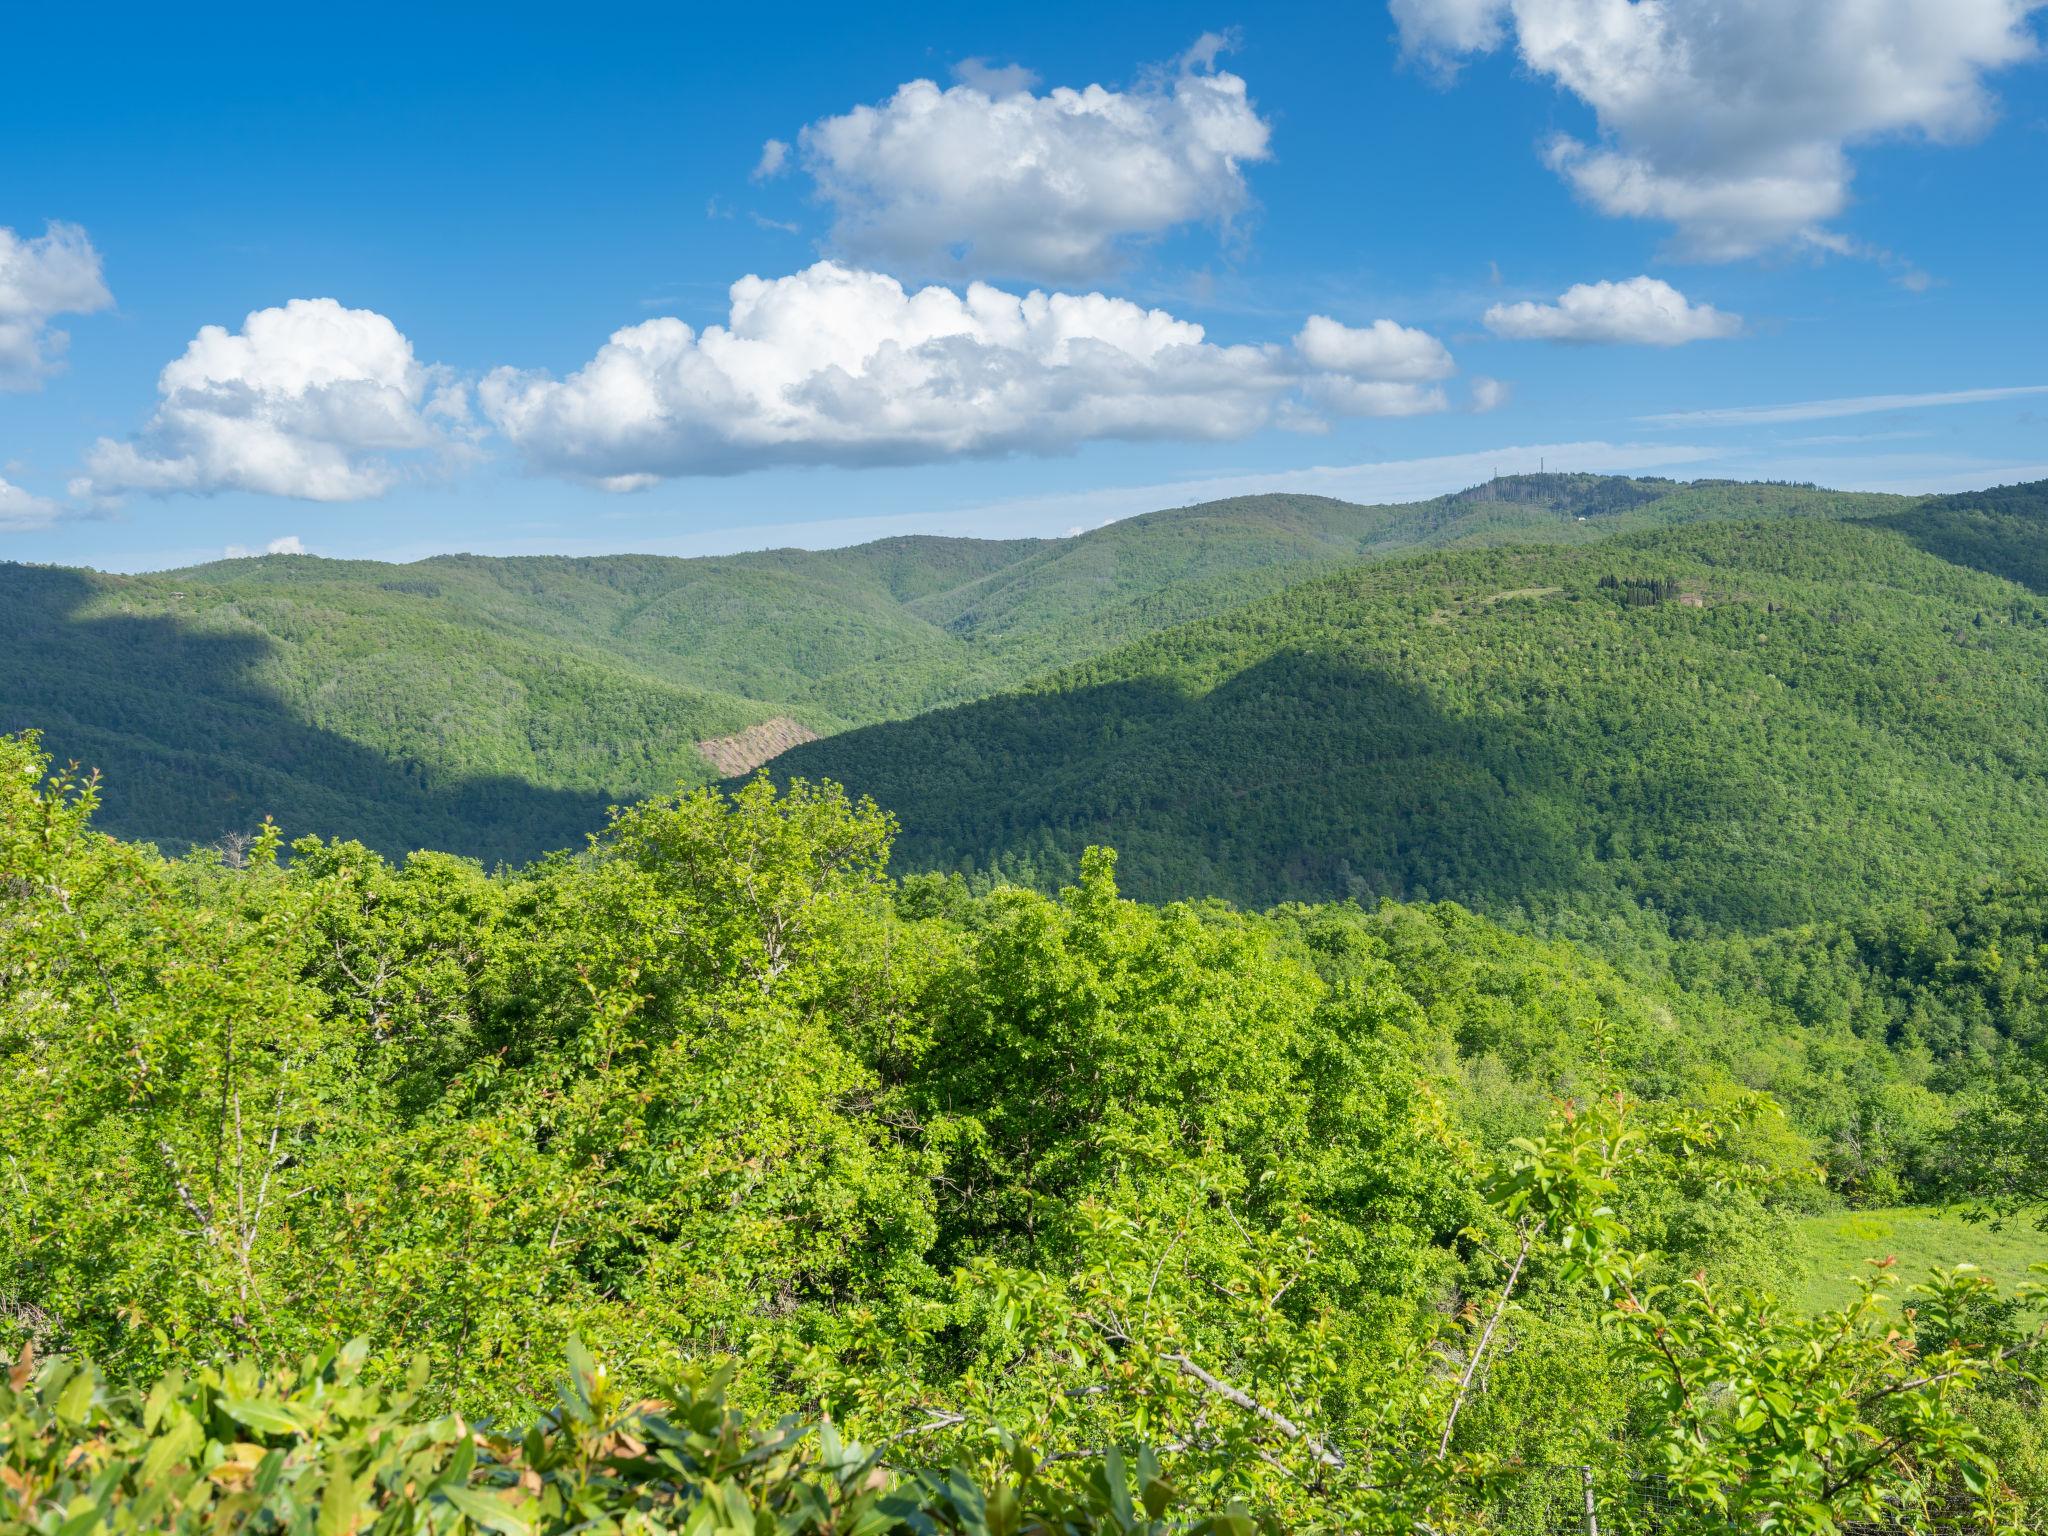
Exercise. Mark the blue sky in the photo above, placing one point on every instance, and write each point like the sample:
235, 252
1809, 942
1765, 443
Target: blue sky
1761, 206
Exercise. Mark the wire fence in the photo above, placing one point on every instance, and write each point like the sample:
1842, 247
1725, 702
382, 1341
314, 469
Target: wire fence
1571, 1501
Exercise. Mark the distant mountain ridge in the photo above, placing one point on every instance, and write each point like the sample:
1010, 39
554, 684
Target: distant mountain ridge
1740, 724
495, 706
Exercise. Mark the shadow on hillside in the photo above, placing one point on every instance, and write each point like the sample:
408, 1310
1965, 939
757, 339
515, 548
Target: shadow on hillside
193, 746
1298, 777
2003, 531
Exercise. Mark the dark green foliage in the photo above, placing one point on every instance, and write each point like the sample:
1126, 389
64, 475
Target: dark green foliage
220, 707
1824, 718
1576, 495
494, 707
1640, 591
2003, 531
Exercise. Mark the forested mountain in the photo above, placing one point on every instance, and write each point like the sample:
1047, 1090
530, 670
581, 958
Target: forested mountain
495, 706
1365, 1215
1736, 725
2003, 530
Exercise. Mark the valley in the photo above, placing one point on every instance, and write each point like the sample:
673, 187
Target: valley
494, 707
1542, 895
1181, 938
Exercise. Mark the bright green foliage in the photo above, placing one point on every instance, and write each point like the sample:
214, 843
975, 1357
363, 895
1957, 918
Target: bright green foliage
1775, 1420
322, 1451
704, 1089
1794, 1423
1319, 1206
163, 1054
1841, 1246
1997, 1152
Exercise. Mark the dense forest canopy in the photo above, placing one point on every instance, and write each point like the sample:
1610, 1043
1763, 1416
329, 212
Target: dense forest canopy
1245, 1200
1732, 726
495, 707
1585, 900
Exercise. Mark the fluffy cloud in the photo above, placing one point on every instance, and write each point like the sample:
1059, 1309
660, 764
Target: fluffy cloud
309, 400
289, 544
835, 365
1733, 121
20, 511
1643, 311
988, 178
57, 273
1443, 30
1382, 350
773, 162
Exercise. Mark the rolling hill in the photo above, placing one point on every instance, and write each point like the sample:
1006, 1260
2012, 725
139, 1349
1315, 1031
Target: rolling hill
496, 706
1739, 725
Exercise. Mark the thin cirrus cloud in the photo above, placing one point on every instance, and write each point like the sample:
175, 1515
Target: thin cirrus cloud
1643, 311
1735, 122
836, 365
309, 400
56, 273
985, 178
1828, 410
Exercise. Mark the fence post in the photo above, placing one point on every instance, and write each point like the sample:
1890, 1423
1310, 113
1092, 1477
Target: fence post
1592, 1514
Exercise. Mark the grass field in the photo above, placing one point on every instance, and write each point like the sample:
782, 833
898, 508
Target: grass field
1841, 1244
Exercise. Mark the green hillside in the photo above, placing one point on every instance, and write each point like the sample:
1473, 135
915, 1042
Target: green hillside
1739, 725
214, 709
1842, 1246
1999, 530
496, 706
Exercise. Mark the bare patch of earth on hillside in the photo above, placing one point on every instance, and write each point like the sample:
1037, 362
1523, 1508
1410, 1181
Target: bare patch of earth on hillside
744, 751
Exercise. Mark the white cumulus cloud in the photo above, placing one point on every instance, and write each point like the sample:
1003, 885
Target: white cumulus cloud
56, 273
987, 178
1382, 350
1643, 311
1443, 30
835, 365
309, 399
20, 511
289, 544
1735, 120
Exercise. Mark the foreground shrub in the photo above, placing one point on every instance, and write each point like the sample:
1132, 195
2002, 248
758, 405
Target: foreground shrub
324, 1452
